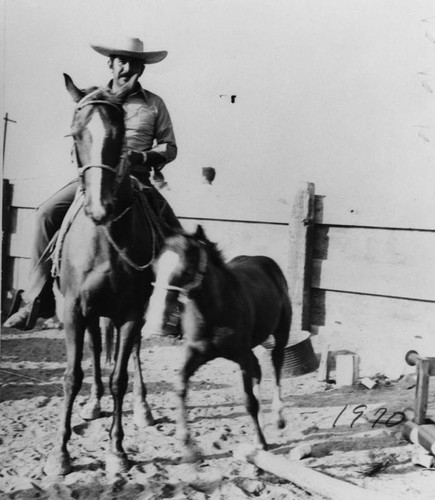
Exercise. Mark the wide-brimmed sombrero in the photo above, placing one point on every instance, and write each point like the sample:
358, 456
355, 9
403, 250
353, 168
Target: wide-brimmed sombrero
129, 47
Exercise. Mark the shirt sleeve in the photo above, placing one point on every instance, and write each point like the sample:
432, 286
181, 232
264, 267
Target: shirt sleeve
164, 149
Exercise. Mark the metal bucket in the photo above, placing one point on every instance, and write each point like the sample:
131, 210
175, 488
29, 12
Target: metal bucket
299, 356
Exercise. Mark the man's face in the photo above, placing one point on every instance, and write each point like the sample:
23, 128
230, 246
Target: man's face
123, 68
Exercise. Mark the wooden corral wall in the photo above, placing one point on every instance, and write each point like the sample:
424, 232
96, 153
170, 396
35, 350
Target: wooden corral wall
360, 280
373, 281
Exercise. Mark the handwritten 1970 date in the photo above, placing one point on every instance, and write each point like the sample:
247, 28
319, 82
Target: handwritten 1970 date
395, 419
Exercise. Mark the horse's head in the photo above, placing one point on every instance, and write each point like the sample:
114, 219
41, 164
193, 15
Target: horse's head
179, 269
98, 131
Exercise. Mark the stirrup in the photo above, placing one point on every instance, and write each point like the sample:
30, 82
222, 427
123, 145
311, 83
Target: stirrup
34, 314
27, 319
16, 302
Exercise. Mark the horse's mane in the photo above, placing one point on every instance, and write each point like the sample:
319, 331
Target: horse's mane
103, 93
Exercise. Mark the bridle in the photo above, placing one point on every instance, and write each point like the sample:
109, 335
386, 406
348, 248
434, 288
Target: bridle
82, 168
184, 291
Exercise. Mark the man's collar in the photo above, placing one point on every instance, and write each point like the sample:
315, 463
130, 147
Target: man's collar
137, 89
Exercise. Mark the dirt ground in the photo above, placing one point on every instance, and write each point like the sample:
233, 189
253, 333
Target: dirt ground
372, 455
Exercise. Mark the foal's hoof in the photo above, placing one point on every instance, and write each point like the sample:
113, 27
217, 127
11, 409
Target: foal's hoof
116, 463
142, 416
90, 411
57, 464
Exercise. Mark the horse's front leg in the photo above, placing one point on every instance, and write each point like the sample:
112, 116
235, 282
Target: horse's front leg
193, 361
58, 462
251, 373
116, 459
92, 408
142, 415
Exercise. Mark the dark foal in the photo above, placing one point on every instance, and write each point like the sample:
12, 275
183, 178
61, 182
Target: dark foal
226, 310
105, 268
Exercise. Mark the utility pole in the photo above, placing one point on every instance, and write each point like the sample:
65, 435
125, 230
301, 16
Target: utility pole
7, 120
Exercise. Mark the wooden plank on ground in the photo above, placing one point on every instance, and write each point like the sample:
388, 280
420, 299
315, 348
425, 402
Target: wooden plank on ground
309, 479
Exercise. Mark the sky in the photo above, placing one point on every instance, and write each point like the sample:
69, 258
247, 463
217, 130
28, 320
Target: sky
339, 93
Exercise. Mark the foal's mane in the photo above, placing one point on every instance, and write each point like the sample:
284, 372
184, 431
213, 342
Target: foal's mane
182, 242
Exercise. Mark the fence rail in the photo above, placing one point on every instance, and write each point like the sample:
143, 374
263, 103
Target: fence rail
356, 276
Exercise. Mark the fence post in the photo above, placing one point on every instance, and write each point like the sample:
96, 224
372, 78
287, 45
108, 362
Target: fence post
6, 232
301, 229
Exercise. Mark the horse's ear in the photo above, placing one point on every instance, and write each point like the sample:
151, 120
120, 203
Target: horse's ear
75, 92
126, 89
200, 233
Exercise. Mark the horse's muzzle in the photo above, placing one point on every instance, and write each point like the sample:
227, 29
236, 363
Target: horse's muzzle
99, 215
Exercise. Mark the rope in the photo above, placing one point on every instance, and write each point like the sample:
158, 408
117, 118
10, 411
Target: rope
122, 253
26, 376
156, 232
66, 224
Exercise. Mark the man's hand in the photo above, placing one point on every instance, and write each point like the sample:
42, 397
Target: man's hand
136, 158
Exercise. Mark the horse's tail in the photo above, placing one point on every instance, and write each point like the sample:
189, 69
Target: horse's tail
108, 332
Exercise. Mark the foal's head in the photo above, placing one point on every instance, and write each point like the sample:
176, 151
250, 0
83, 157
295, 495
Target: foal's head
180, 270
98, 132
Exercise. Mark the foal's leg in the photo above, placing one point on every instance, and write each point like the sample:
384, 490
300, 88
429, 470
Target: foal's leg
251, 373
193, 361
92, 408
116, 459
58, 462
142, 415
281, 335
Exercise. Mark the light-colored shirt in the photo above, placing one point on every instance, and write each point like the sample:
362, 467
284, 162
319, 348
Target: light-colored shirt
149, 127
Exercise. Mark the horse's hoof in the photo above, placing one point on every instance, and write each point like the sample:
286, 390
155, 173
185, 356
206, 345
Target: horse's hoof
116, 463
58, 463
181, 434
90, 411
261, 445
142, 416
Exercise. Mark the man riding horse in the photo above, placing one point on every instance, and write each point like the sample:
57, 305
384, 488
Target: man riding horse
150, 143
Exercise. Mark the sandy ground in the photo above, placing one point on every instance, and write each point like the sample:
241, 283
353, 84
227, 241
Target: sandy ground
372, 456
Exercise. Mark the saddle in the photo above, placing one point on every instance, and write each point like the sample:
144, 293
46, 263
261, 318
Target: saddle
150, 209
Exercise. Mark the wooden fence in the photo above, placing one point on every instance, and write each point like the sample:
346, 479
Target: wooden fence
359, 280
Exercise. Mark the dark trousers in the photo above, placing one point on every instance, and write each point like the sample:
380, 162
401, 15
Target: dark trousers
49, 217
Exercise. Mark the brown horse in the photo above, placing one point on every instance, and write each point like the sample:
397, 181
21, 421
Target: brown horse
105, 267
226, 310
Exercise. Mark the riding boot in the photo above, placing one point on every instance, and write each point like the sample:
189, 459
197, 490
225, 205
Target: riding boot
42, 306
39, 298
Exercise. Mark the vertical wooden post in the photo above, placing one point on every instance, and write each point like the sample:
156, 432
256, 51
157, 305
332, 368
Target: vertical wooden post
6, 233
301, 227
421, 389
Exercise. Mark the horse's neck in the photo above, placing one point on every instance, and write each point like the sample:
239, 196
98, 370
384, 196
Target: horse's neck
217, 289
124, 196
